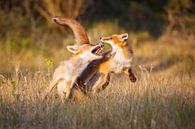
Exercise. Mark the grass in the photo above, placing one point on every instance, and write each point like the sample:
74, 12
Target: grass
162, 98
153, 102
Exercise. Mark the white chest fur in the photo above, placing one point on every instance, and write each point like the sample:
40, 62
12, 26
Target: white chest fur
120, 60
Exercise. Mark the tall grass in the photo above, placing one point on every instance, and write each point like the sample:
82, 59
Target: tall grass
162, 98
155, 102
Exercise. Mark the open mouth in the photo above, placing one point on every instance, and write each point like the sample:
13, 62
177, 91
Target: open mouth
98, 49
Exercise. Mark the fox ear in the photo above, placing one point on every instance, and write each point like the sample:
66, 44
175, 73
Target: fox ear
73, 49
124, 36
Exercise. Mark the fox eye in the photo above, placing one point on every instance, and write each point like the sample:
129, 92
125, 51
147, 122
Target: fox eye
111, 38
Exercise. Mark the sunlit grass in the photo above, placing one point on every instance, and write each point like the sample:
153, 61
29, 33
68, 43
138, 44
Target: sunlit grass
162, 98
152, 102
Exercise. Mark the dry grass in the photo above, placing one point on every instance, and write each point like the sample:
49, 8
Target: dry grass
162, 98
155, 102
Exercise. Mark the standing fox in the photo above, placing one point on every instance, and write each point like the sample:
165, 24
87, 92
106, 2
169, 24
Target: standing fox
66, 74
123, 60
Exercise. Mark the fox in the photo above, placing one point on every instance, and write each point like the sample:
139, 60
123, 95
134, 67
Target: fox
65, 75
122, 62
83, 52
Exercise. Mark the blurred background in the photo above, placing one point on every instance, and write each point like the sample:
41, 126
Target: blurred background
161, 32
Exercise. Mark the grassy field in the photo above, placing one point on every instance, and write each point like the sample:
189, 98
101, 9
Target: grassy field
162, 98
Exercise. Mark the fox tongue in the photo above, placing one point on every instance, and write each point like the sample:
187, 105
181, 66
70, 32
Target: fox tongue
98, 51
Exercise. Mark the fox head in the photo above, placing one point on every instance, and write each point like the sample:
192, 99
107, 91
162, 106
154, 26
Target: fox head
120, 40
86, 51
119, 45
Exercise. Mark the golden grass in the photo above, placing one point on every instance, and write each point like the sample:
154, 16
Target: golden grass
162, 98
153, 102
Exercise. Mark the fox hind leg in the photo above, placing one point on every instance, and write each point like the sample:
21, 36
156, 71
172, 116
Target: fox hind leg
68, 89
63, 90
51, 87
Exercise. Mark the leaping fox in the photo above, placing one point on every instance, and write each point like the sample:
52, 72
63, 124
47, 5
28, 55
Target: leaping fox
121, 62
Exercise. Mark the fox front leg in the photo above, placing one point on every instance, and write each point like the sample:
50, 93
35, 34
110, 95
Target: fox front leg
131, 74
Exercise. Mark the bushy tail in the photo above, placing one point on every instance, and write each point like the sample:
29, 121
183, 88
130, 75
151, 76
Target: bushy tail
78, 30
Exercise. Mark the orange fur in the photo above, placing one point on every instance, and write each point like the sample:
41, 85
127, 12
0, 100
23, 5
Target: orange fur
121, 62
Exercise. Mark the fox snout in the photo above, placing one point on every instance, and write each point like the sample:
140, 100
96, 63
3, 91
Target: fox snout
105, 39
